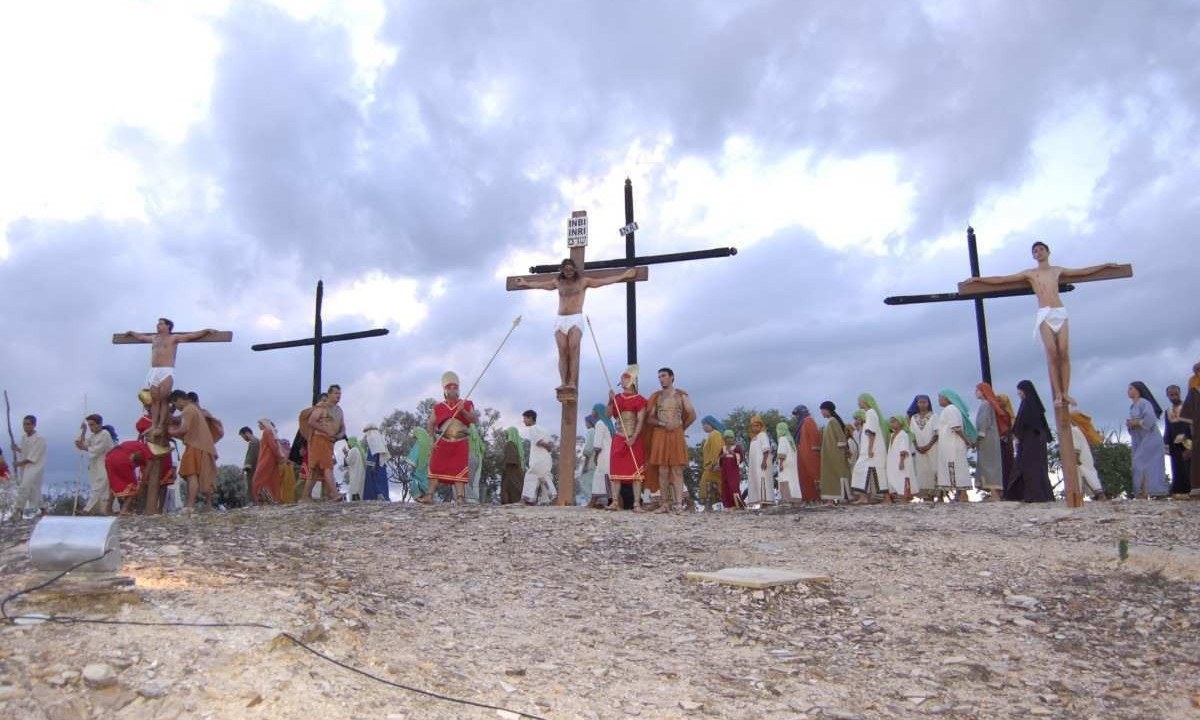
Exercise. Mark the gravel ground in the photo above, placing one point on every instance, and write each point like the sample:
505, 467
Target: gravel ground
959, 611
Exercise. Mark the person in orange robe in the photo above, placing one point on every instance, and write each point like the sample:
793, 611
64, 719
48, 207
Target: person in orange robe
669, 413
451, 452
808, 449
266, 472
198, 465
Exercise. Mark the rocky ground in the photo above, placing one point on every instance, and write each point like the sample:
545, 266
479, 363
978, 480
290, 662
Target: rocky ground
960, 611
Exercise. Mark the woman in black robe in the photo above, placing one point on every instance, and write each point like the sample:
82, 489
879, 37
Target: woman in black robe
1030, 478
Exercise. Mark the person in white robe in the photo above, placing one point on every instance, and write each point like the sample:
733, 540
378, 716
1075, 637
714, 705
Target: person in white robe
602, 447
900, 463
789, 465
356, 469
871, 480
956, 433
760, 489
923, 423
29, 463
96, 440
538, 474
1085, 435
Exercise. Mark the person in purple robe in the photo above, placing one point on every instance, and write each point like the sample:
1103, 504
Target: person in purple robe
1149, 470
1030, 478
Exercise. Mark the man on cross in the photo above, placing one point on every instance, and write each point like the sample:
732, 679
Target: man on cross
163, 344
568, 328
1051, 322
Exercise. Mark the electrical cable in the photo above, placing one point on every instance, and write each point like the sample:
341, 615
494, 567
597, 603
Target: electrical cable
67, 620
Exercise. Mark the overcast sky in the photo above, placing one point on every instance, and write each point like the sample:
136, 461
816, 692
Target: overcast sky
210, 161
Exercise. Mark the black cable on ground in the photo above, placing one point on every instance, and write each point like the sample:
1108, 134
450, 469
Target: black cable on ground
67, 620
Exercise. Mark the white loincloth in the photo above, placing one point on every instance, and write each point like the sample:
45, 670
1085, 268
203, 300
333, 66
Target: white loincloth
564, 323
1054, 317
158, 374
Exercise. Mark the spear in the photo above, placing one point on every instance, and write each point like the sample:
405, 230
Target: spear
11, 440
608, 380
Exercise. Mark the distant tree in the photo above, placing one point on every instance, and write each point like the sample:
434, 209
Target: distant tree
231, 486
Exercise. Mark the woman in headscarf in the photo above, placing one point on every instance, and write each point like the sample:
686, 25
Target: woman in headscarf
808, 448
418, 457
476, 449
872, 452
789, 473
899, 460
710, 462
835, 468
854, 453
760, 488
512, 476
991, 422
1149, 470
923, 423
1085, 436
1191, 411
1007, 452
587, 468
732, 457
956, 433
602, 449
1030, 481
377, 453
264, 486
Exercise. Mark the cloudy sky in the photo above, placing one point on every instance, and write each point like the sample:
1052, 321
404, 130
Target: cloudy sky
210, 161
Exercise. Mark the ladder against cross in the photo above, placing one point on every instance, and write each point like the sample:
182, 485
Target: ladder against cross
569, 396
159, 411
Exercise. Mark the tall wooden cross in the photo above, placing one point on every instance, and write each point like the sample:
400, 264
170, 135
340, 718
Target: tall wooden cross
569, 396
158, 403
318, 340
631, 259
985, 362
974, 289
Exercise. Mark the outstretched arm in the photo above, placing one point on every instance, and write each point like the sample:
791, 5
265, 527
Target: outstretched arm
140, 337
629, 274
189, 337
1001, 279
1081, 274
550, 283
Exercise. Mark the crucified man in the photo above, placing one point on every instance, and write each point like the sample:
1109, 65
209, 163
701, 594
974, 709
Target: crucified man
161, 380
1051, 322
568, 329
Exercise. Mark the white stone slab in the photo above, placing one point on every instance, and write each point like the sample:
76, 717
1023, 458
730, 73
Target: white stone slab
758, 578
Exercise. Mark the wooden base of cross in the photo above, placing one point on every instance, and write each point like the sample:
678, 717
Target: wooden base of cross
569, 398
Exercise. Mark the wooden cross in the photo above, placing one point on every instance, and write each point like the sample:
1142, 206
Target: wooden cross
569, 396
631, 259
977, 290
317, 341
158, 403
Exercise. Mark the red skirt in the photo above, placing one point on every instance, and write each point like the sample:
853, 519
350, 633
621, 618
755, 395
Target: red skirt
122, 479
627, 462
448, 461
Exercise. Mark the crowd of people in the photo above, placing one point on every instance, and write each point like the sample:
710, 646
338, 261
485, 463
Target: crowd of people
634, 456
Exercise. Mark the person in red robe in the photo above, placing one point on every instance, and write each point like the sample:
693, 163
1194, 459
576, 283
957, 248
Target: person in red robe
808, 449
627, 463
265, 482
123, 463
732, 459
449, 426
